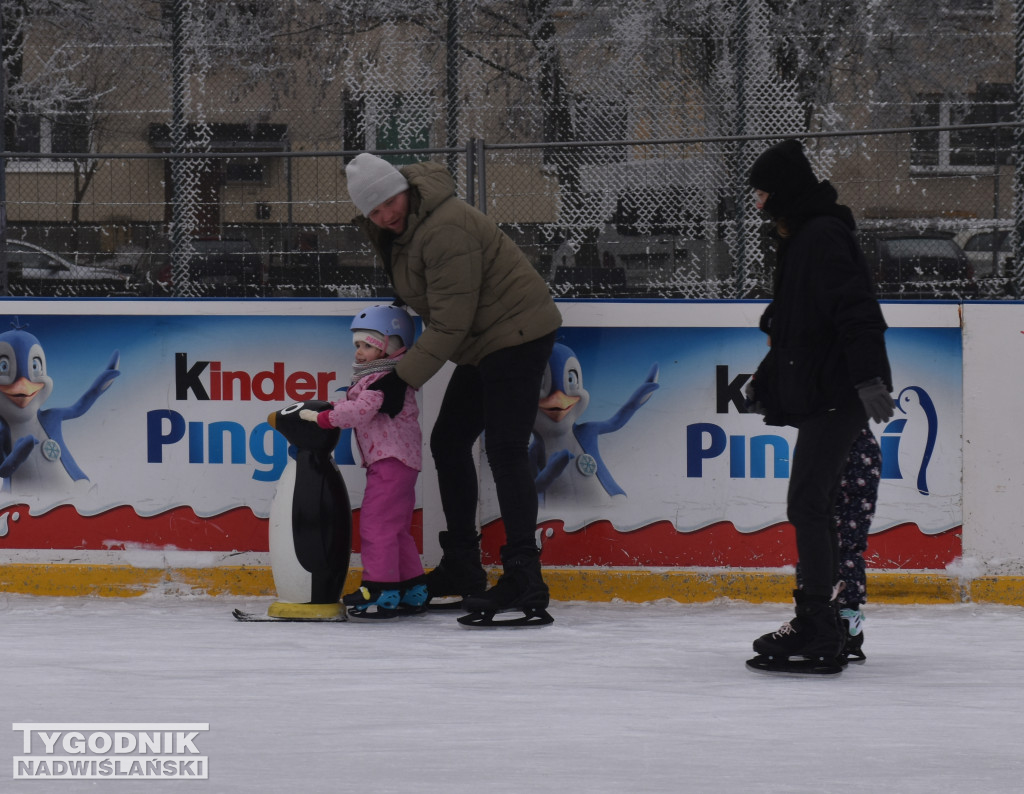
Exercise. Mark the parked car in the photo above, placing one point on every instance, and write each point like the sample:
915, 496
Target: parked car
151, 277
33, 270
588, 282
989, 250
218, 267
922, 265
227, 266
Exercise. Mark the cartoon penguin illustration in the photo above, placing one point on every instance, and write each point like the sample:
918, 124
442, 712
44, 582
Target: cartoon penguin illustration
310, 521
34, 458
560, 439
910, 443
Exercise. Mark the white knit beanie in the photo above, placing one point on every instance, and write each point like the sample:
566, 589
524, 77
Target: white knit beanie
372, 181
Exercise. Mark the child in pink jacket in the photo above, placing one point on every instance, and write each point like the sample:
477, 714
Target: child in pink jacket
393, 582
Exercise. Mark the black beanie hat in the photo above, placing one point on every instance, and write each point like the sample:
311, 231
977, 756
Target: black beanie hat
784, 172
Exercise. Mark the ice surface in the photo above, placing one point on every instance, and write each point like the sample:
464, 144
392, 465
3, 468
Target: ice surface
617, 697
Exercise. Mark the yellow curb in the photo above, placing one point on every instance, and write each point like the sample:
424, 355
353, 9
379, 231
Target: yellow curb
126, 581
65, 579
999, 589
566, 584
884, 587
603, 584
903, 587
240, 580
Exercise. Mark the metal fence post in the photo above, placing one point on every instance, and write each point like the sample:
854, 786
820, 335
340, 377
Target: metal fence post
471, 171
452, 71
179, 242
481, 170
4, 287
1016, 277
739, 160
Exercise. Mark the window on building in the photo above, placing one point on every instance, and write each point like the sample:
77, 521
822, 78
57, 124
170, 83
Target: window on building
353, 124
396, 121
966, 149
63, 133
59, 133
403, 125
245, 169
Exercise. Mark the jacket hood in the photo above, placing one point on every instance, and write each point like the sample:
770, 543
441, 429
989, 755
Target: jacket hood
822, 200
431, 185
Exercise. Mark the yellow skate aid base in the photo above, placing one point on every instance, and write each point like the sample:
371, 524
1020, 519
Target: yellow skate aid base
566, 584
283, 609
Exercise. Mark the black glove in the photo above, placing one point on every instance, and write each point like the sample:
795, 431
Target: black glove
878, 404
394, 393
752, 405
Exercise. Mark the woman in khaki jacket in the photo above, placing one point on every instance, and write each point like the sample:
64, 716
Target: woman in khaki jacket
485, 308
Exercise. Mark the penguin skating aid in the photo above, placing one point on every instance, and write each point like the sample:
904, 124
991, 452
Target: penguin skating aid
310, 526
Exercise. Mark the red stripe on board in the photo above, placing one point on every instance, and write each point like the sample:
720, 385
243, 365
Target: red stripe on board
718, 545
121, 527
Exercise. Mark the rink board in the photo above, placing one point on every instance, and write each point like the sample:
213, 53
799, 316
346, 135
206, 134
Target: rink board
180, 465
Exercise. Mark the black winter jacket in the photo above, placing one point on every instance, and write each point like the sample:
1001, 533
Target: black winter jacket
825, 323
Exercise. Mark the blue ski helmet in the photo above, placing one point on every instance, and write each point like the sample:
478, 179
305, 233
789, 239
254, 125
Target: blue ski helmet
389, 322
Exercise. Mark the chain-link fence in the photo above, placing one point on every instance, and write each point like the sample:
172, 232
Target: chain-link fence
194, 148
651, 220
675, 219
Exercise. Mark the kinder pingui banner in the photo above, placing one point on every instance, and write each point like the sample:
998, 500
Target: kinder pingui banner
149, 430
643, 455
141, 427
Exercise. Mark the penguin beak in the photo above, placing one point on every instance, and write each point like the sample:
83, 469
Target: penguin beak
272, 420
557, 405
21, 391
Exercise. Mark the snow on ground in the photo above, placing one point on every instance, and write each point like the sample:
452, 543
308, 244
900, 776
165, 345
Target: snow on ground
610, 698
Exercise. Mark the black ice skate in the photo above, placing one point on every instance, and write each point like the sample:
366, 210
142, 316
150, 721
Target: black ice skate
458, 574
811, 643
520, 589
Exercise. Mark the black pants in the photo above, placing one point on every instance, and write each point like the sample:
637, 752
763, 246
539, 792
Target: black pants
498, 398
819, 457
852, 514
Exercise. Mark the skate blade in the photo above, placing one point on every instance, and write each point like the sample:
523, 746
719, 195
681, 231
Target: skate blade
378, 615
446, 604
252, 617
530, 618
372, 615
795, 666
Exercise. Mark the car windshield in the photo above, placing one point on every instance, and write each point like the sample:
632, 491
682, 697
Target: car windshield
921, 247
986, 241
